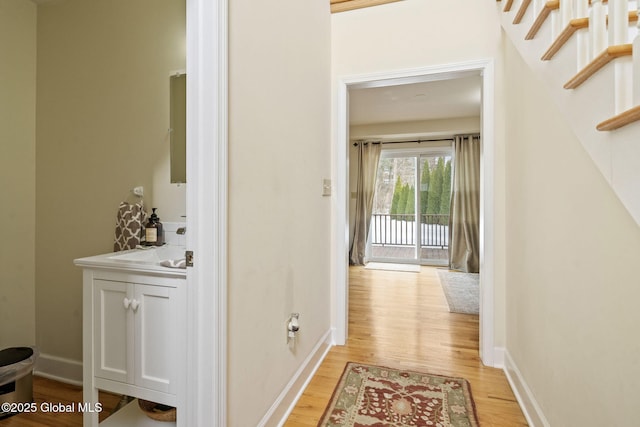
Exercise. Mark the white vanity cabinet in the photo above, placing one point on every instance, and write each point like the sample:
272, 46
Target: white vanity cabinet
133, 336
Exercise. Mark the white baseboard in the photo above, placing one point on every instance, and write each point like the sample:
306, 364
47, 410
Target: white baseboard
498, 357
286, 401
530, 407
59, 368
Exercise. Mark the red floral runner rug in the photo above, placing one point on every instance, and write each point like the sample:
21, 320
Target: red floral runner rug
376, 396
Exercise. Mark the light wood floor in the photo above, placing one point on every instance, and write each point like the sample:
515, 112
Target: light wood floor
396, 320
48, 391
401, 320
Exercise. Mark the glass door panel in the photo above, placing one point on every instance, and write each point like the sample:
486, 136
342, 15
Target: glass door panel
435, 199
393, 230
410, 219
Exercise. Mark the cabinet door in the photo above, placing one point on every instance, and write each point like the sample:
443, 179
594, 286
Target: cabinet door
156, 361
113, 334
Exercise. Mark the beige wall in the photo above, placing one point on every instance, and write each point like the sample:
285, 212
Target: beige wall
416, 34
572, 249
102, 128
279, 223
17, 172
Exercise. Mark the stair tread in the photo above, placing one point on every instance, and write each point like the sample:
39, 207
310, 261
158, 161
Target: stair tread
619, 120
573, 26
521, 11
608, 55
507, 6
542, 16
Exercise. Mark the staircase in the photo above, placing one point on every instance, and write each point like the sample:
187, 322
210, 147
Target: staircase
588, 54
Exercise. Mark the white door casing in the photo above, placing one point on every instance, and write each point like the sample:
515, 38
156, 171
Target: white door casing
205, 391
340, 294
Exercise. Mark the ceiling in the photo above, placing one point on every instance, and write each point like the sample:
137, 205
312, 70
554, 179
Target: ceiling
442, 99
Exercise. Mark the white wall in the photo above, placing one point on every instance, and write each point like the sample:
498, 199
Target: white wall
17, 172
102, 129
279, 224
572, 258
416, 34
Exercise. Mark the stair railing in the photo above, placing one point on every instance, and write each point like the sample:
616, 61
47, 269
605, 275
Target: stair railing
604, 35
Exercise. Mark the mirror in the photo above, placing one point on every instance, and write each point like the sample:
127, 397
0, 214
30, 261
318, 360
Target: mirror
178, 127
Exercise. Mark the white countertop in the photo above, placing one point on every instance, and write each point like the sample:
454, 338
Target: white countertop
145, 260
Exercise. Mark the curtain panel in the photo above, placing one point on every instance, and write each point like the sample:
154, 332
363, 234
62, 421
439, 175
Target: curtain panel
368, 157
464, 220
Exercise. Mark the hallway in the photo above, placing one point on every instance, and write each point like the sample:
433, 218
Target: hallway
401, 320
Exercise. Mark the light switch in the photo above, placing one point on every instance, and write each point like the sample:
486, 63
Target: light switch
326, 187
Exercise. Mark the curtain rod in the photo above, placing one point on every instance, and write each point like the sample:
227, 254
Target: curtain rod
476, 135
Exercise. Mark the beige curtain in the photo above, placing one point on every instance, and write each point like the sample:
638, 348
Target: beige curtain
464, 220
368, 157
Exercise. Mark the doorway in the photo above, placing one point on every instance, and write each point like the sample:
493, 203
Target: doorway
483, 68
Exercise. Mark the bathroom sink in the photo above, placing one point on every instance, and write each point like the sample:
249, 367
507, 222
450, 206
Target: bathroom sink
151, 255
167, 260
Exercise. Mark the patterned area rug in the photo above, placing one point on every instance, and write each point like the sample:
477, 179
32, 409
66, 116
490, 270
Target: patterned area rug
462, 291
375, 396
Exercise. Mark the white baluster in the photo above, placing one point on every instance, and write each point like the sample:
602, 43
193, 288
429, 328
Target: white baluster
618, 21
557, 21
537, 6
566, 12
636, 64
597, 29
618, 34
582, 11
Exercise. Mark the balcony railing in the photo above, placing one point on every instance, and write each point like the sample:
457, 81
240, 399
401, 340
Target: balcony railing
400, 230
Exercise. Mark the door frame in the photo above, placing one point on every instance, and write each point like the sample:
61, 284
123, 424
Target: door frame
340, 294
203, 392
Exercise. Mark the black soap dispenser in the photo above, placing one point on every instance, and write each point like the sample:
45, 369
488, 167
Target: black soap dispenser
154, 233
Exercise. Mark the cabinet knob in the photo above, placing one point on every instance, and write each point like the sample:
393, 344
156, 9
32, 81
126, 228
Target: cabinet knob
135, 304
126, 302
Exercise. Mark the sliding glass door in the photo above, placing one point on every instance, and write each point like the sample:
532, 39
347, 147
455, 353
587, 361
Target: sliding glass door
410, 220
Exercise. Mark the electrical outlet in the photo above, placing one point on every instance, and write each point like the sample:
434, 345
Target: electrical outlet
292, 326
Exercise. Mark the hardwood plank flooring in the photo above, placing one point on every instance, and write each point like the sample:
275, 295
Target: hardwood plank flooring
401, 320
54, 392
396, 319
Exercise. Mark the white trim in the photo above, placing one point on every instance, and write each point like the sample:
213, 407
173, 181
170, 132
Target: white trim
498, 357
59, 368
341, 160
203, 393
340, 223
487, 216
286, 401
528, 403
